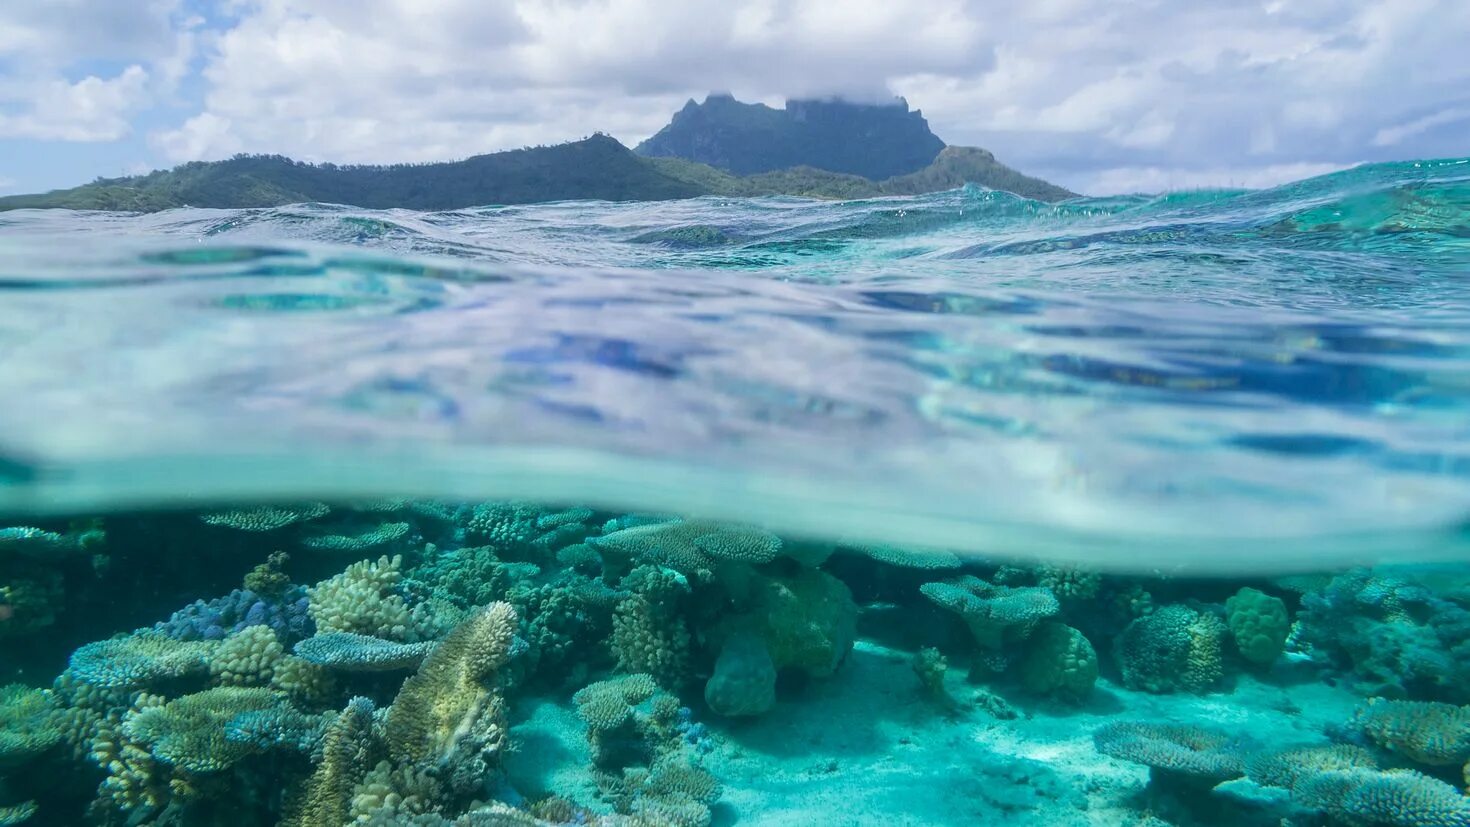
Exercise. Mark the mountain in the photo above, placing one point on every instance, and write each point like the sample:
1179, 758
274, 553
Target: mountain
873, 141
594, 168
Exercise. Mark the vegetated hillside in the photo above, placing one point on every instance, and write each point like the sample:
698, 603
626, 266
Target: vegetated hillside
595, 168
955, 167
873, 141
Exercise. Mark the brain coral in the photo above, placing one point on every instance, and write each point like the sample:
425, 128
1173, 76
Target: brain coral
1435, 734
1395, 798
1176, 647
1259, 624
1194, 751
1059, 660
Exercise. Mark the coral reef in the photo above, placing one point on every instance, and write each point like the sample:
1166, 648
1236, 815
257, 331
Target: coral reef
504, 663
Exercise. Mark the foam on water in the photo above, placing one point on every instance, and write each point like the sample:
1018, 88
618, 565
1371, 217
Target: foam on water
1214, 381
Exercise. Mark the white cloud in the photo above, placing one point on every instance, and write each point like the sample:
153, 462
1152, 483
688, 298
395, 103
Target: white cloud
6, 184
1100, 97
43, 95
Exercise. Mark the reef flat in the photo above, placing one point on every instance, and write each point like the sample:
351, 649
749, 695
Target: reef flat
510, 663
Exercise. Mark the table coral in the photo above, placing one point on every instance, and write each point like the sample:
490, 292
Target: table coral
1429, 733
349, 652
994, 614
1393, 798
140, 659
1180, 749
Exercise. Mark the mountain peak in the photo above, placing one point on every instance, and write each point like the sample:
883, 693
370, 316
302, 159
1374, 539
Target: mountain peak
873, 140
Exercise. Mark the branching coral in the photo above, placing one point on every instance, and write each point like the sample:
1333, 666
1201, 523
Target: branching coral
909, 557
1174, 648
453, 694
1181, 750
347, 751
649, 631
690, 547
995, 614
1259, 624
140, 659
191, 732
1391, 798
1434, 734
264, 518
247, 658
11, 814
364, 600
348, 652
1069, 583
513, 527
1286, 766
28, 724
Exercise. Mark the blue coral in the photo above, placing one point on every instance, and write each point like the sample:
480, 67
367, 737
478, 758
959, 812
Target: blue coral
219, 618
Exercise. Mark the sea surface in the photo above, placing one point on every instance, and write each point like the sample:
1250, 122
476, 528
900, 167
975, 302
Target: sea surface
1213, 379
960, 509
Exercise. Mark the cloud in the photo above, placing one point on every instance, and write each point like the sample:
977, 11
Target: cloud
1169, 179
6, 184
80, 70
1102, 98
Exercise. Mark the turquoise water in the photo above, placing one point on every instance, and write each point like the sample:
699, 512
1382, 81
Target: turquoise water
939, 510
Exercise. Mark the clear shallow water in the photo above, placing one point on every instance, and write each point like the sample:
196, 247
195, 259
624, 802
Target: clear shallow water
1138, 382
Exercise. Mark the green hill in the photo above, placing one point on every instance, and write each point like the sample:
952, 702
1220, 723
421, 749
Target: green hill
597, 168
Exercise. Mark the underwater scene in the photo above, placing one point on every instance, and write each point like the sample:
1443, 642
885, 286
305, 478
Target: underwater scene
936, 510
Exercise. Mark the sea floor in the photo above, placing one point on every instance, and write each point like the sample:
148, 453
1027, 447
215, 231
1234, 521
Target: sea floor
865, 748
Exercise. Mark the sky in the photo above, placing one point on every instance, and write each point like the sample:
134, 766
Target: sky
1102, 97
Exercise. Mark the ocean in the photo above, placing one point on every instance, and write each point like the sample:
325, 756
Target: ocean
947, 509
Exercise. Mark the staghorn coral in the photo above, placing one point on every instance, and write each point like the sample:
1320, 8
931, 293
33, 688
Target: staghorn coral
190, 732
140, 659
247, 658
1175, 749
347, 750
690, 547
1259, 624
1434, 734
28, 724
348, 652
1173, 648
1058, 661
1285, 766
453, 694
1388, 798
364, 599
264, 518
994, 614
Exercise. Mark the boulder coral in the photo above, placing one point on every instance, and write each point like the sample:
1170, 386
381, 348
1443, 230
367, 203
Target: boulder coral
1173, 648
1259, 624
744, 678
1059, 661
